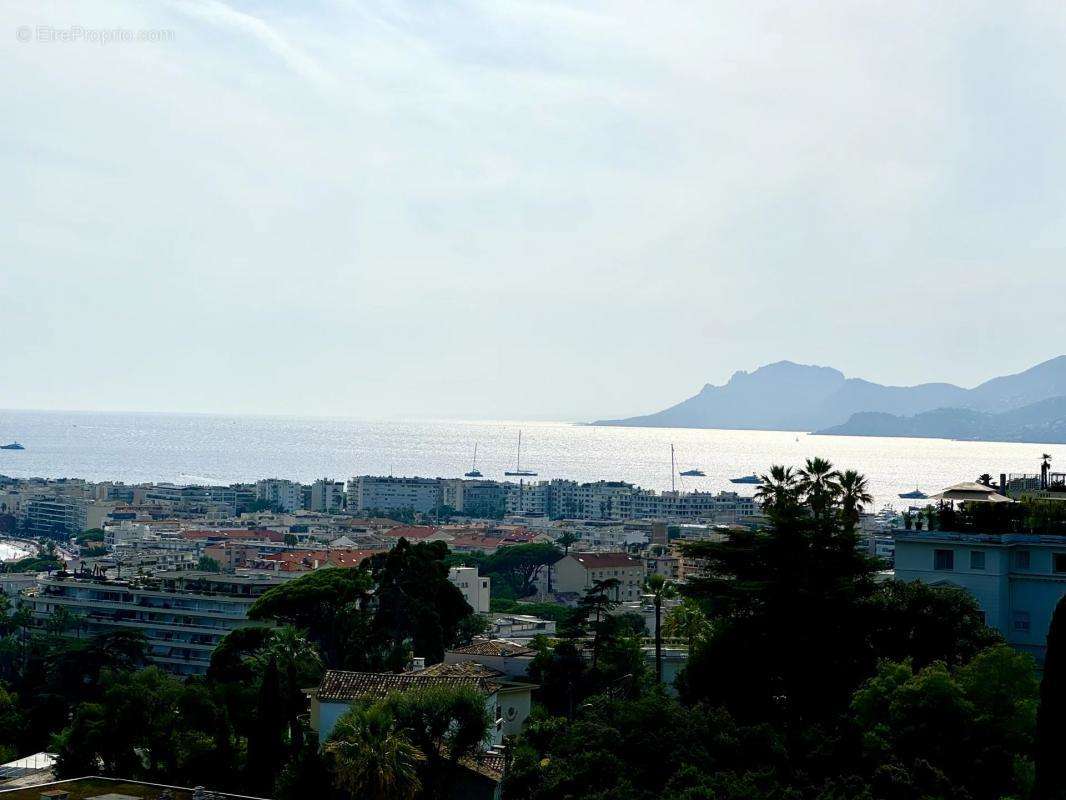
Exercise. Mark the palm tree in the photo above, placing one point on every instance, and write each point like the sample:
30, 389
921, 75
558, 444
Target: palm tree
778, 488
372, 759
985, 479
818, 483
854, 495
299, 661
660, 589
687, 621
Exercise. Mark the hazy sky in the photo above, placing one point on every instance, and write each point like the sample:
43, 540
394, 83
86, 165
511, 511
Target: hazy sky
504, 209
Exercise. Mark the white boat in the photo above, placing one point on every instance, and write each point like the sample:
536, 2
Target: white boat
474, 471
518, 472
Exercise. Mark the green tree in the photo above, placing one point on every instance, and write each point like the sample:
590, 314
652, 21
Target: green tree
299, 665
446, 723
1051, 718
566, 540
923, 623
798, 586
521, 564
660, 590
331, 606
687, 621
419, 610
208, 564
372, 758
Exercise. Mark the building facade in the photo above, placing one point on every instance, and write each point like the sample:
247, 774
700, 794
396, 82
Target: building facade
1016, 579
476, 588
183, 615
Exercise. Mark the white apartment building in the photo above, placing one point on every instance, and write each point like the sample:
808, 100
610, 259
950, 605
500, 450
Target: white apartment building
327, 495
367, 492
577, 572
183, 615
282, 494
1016, 579
529, 498
476, 589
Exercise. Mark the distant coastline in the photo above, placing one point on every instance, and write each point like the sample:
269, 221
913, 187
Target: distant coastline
1029, 406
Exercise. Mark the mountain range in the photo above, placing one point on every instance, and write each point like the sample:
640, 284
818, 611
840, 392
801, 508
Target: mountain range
1027, 406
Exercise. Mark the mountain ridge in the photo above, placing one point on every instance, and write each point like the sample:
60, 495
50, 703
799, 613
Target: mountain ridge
785, 395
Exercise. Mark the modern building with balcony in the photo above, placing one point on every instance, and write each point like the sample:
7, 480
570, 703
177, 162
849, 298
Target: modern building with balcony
183, 615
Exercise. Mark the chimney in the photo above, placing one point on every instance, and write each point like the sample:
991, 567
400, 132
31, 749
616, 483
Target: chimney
418, 663
1003, 483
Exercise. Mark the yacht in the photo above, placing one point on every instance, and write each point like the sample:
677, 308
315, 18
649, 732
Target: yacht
518, 472
693, 473
474, 471
751, 479
12, 446
917, 494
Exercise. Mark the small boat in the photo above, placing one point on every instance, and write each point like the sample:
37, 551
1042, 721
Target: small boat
474, 471
749, 479
518, 472
693, 473
12, 446
917, 494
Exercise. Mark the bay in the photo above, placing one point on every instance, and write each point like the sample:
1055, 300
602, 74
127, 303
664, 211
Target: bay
197, 448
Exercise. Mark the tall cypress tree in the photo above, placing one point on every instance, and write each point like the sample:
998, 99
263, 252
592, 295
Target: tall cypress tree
1051, 716
266, 741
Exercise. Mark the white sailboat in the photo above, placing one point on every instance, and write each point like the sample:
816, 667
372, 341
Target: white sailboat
474, 471
518, 471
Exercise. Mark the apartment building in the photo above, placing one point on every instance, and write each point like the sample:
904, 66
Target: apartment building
474, 497
366, 492
327, 496
183, 615
1017, 579
64, 516
281, 494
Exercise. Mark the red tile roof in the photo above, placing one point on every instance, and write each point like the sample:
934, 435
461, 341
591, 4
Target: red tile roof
410, 532
499, 648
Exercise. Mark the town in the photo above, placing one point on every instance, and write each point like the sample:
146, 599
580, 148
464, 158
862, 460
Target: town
602, 572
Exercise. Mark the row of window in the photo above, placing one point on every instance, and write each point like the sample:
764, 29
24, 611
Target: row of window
944, 560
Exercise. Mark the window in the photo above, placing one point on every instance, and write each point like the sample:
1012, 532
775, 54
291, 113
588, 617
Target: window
1058, 562
1021, 559
977, 559
1021, 621
943, 559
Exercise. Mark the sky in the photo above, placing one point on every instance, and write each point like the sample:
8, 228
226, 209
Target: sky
500, 209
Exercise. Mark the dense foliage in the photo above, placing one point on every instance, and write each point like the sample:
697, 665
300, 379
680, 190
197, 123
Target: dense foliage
807, 678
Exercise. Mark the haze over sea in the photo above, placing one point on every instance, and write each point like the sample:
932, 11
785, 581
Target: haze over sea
191, 448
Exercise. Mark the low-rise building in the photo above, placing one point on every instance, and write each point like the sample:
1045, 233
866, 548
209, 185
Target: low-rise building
476, 589
577, 572
507, 702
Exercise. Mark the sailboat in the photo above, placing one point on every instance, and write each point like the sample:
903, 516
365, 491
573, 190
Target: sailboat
474, 471
518, 471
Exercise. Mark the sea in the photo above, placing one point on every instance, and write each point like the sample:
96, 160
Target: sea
216, 449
